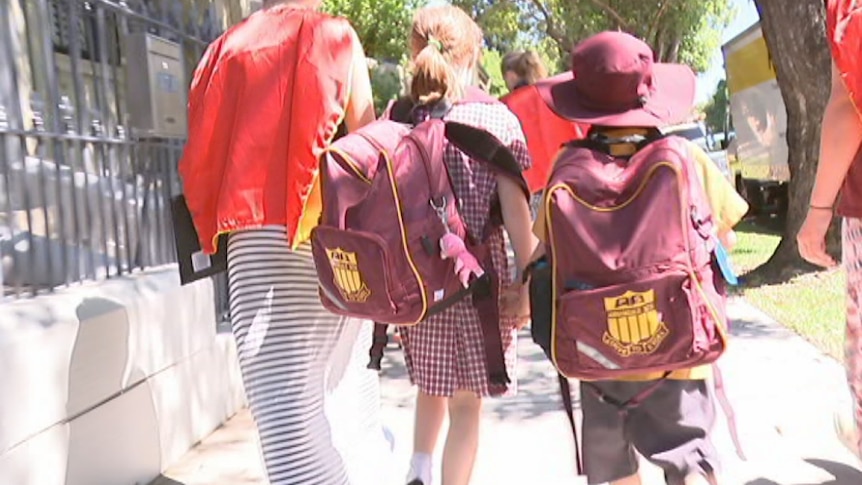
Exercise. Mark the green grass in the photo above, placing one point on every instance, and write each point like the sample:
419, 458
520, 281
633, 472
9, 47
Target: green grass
811, 304
754, 246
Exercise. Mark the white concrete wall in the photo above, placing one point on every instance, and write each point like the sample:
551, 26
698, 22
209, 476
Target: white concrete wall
110, 383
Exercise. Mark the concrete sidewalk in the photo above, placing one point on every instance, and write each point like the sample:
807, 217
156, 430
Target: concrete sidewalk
783, 389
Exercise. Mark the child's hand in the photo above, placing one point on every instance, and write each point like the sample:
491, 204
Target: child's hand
515, 304
728, 239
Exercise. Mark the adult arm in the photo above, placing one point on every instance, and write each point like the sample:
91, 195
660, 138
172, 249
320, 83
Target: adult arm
360, 104
840, 139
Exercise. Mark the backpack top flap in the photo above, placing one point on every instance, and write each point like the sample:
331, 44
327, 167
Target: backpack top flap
623, 208
349, 166
481, 145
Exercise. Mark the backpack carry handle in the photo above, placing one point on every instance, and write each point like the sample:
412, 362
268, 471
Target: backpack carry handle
403, 110
602, 143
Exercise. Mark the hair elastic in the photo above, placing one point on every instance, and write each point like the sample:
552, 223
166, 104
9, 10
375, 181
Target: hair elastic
435, 43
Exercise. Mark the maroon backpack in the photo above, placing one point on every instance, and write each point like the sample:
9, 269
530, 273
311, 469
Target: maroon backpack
634, 281
387, 202
631, 283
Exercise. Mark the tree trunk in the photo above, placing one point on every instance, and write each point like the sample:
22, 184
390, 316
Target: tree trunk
795, 35
673, 52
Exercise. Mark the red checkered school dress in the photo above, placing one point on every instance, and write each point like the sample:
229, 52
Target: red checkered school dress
445, 353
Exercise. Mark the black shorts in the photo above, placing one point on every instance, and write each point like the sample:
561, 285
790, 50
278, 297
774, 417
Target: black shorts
671, 429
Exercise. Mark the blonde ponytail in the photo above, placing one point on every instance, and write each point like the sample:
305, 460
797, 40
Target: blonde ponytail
444, 41
433, 76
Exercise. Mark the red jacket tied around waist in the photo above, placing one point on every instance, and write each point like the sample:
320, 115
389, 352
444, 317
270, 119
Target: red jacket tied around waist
265, 100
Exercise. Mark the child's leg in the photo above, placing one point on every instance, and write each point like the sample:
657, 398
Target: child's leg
430, 412
462, 441
608, 454
672, 428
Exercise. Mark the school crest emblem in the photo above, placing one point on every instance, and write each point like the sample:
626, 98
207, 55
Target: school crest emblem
634, 324
345, 271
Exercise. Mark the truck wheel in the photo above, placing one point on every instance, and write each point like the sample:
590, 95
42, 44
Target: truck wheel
782, 202
746, 192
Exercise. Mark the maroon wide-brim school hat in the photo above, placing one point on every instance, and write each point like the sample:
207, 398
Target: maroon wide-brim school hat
615, 82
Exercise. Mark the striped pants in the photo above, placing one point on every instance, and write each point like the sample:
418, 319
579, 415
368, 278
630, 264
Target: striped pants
315, 404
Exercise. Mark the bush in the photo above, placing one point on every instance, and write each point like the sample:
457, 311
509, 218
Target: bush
491, 62
386, 84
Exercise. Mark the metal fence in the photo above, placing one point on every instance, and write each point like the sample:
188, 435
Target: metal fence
84, 191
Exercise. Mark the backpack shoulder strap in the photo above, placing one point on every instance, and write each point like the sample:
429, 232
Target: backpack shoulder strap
566, 394
403, 110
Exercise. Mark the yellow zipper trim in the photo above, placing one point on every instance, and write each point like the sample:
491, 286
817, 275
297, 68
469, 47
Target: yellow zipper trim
390, 170
628, 201
550, 230
354, 167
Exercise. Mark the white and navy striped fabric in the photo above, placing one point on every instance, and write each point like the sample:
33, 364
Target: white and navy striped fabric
316, 405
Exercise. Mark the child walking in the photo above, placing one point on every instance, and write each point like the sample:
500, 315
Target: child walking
445, 354
668, 416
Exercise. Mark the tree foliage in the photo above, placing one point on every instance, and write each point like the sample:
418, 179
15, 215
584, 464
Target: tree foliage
491, 61
717, 110
500, 20
386, 85
686, 31
381, 24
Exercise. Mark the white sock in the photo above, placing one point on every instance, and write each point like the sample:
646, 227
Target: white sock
420, 467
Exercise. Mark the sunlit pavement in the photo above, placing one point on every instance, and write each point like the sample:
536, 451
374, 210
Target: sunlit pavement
783, 390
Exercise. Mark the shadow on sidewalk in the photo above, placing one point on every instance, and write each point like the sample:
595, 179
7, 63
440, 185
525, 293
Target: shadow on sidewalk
233, 480
842, 474
753, 328
538, 391
163, 480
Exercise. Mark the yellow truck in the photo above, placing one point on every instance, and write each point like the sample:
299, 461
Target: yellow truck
758, 154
